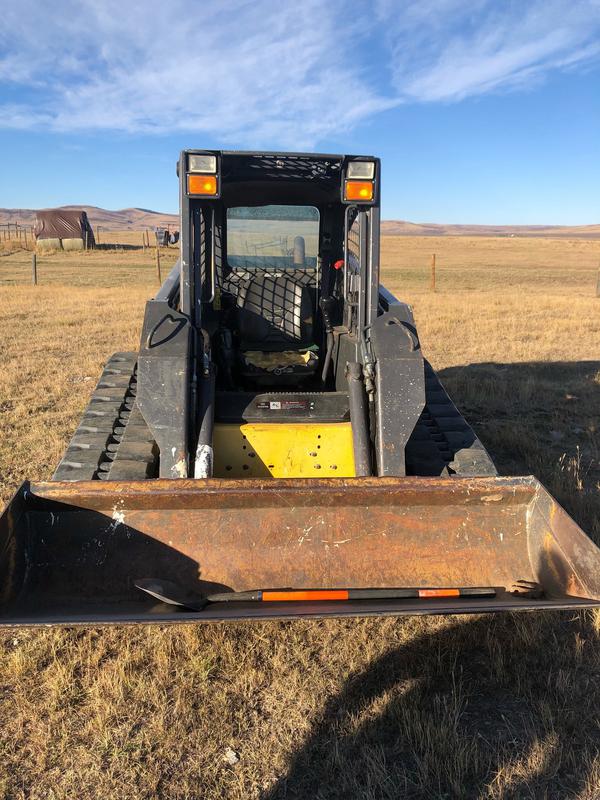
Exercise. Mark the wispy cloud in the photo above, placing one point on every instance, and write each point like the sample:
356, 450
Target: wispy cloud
264, 72
450, 49
255, 71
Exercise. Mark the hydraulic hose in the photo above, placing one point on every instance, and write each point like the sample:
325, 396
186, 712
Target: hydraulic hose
359, 420
328, 354
203, 466
327, 309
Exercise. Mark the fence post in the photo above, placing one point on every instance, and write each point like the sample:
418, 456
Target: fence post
34, 269
598, 284
158, 265
432, 286
25, 233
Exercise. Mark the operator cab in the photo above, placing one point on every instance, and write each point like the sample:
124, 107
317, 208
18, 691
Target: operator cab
266, 233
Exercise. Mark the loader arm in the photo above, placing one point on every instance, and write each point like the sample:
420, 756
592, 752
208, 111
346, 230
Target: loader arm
164, 372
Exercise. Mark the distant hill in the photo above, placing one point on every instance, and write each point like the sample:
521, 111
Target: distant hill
402, 228
137, 219
132, 219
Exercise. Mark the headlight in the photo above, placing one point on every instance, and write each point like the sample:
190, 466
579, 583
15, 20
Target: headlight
362, 170
202, 163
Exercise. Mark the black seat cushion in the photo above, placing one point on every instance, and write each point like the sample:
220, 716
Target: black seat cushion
274, 312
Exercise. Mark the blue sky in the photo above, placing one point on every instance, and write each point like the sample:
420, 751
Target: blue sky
483, 112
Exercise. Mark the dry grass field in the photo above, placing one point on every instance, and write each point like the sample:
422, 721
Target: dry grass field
462, 707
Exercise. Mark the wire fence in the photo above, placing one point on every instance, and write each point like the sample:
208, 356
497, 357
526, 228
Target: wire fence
15, 232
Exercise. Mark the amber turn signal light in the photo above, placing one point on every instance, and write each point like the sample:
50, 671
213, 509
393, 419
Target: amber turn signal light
358, 190
202, 184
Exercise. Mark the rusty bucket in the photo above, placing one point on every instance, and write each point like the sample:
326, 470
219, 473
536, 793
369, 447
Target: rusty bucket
72, 553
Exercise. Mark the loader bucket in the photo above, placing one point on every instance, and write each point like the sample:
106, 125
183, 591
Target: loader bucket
71, 553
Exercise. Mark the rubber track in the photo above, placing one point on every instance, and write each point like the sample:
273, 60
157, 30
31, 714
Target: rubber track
443, 443
112, 440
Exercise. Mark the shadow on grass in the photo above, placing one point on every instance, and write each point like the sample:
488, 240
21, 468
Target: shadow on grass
108, 246
500, 707
477, 709
118, 247
539, 418
553, 404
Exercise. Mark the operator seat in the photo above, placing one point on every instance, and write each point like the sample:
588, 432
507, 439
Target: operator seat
275, 316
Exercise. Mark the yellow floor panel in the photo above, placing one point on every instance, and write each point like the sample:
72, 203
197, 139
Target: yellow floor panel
281, 450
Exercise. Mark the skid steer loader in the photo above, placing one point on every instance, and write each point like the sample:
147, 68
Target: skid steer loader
279, 446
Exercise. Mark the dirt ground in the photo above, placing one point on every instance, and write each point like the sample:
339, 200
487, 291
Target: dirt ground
462, 707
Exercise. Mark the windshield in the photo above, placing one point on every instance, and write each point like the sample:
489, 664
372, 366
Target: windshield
272, 237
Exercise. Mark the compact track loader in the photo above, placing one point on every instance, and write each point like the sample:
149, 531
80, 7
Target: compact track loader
279, 446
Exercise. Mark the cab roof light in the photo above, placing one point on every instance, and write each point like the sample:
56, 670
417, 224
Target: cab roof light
361, 170
202, 163
202, 185
358, 190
